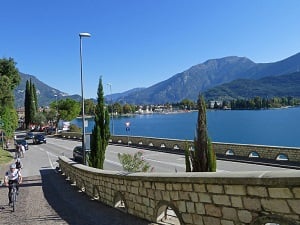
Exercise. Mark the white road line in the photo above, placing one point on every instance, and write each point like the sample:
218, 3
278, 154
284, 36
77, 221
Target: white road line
49, 158
112, 162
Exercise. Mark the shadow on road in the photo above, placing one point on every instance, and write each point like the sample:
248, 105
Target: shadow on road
76, 208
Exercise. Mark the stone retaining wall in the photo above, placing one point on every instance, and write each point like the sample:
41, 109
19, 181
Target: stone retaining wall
244, 150
221, 198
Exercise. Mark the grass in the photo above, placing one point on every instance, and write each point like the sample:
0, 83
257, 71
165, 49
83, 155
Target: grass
5, 157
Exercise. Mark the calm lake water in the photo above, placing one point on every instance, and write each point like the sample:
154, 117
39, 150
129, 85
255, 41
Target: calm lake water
278, 127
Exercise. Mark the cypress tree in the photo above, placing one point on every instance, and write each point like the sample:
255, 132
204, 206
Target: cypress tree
203, 157
187, 157
27, 104
100, 132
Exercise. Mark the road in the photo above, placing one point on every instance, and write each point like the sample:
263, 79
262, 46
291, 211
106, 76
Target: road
47, 198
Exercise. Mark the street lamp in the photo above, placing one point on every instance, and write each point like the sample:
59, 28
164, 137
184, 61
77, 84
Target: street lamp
82, 35
112, 110
127, 130
56, 115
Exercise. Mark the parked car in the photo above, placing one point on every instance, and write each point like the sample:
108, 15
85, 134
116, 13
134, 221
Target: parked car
29, 135
39, 139
21, 142
78, 154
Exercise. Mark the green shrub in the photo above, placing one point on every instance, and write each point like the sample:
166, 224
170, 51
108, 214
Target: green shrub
134, 163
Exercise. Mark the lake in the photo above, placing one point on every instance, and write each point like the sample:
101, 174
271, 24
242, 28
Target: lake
277, 127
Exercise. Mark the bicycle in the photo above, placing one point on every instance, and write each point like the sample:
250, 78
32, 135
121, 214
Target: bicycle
13, 196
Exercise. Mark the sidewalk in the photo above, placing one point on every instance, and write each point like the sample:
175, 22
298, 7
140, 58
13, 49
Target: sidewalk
49, 199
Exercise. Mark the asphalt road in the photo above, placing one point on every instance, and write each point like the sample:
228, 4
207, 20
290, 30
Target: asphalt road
47, 198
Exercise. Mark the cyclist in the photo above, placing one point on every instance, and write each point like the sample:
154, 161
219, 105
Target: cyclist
19, 164
13, 175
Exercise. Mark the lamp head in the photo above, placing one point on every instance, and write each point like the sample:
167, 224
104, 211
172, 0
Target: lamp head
84, 34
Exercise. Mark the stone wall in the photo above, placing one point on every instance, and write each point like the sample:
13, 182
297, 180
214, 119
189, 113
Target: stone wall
222, 149
221, 198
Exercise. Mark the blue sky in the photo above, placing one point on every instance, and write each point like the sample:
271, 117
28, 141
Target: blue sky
138, 43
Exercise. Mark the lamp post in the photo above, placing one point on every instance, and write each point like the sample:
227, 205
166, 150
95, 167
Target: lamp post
82, 35
112, 110
56, 115
127, 130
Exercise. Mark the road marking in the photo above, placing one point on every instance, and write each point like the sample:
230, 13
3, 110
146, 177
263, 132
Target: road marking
49, 158
112, 162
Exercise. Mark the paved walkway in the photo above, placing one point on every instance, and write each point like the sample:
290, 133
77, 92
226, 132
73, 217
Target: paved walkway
49, 199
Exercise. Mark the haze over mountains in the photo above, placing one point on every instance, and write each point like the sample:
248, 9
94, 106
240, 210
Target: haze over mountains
224, 78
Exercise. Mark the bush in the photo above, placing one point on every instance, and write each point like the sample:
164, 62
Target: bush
134, 163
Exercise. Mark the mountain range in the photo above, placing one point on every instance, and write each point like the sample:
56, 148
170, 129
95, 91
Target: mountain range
223, 78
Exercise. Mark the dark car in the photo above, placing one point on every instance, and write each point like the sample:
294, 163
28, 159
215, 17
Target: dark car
21, 142
39, 139
29, 135
78, 154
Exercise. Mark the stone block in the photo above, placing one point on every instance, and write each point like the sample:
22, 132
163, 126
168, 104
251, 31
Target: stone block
184, 195
204, 197
193, 196
227, 222
197, 219
252, 204
181, 206
221, 200
199, 187
146, 201
200, 208
157, 195
296, 192
217, 189
213, 210
236, 201
160, 186
187, 187
135, 183
235, 189
280, 193
134, 190
177, 187
257, 191
275, 205
295, 205
229, 213
190, 207
187, 218
166, 196
211, 220
245, 216
150, 193
147, 184
174, 195
143, 191
169, 187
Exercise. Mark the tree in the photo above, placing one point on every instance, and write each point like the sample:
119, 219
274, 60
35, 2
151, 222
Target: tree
127, 109
9, 80
100, 133
89, 107
9, 118
30, 103
39, 119
203, 157
187, 157
68, 109
8, 68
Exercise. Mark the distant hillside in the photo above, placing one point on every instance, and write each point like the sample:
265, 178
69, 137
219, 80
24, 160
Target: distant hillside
245, 73
209, 74
188, 83
272, 86
45, 93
